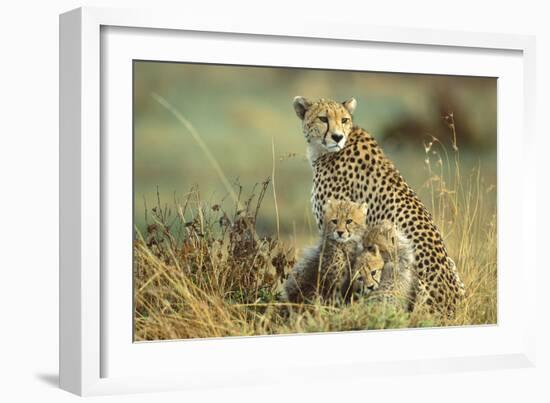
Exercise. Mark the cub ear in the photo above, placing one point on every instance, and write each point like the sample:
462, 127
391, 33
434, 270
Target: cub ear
364, 208
330, 205
387, 230
301, 105
387, 227
350, 105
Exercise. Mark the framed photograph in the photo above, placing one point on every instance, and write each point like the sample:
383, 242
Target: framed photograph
238, 208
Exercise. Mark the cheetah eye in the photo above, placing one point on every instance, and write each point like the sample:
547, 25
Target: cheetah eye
371, 248
373, 273
323, 119
335, 221
345, 120
349, 221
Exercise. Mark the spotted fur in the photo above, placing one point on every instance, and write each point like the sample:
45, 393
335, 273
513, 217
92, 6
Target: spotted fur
355, 168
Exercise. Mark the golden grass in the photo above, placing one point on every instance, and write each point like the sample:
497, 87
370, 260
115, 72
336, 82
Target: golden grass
200, 271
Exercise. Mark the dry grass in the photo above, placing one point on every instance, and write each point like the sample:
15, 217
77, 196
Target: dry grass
200, 271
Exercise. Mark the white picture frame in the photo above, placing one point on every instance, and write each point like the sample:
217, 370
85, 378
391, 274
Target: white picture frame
97, 355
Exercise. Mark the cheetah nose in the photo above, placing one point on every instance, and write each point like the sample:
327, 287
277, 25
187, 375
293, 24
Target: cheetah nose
337, 137
340, 233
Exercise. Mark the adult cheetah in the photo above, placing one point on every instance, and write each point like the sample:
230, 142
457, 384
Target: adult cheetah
349, 164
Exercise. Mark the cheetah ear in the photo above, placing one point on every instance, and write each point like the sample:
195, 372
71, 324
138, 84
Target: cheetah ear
350, 105
301, 105
386, 225
364, 208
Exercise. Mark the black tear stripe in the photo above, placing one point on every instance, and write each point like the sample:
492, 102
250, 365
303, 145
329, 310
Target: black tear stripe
325, 135
328, 128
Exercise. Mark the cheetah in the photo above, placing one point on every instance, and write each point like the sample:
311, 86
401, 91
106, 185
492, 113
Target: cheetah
322, 268
348, 164
365, 274
385, 268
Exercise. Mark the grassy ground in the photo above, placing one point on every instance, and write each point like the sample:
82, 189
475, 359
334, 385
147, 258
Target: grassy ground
201, 270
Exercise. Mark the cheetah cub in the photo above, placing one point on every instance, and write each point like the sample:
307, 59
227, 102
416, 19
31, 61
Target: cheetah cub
365, 275
384, 270
322, 269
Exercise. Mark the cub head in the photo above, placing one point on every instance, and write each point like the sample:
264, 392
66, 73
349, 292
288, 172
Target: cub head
372, 267
393, 244
344, 220
326, 124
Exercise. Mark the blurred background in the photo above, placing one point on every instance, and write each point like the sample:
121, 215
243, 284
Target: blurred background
239, 112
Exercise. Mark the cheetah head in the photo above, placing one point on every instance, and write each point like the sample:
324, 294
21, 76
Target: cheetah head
371, 270
345, 221
326, 124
